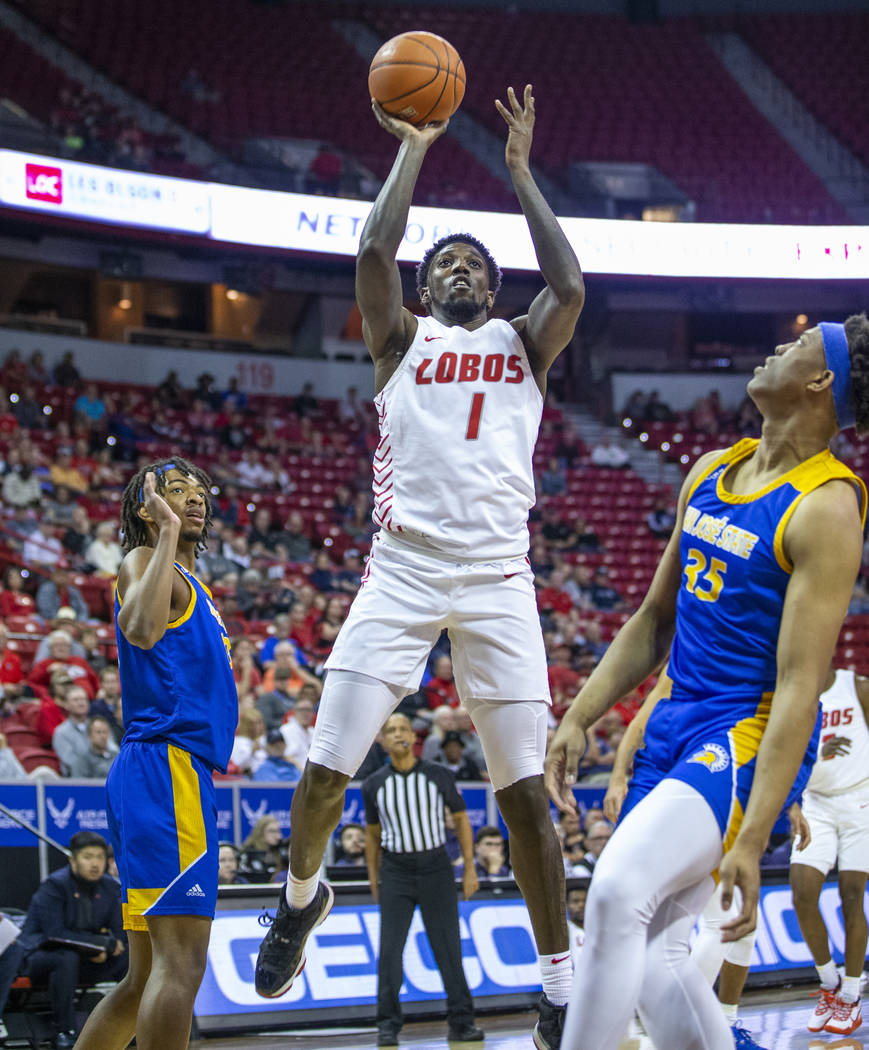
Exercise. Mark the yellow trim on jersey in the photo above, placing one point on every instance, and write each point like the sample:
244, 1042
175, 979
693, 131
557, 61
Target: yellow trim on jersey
139, 901
131, 921
725, 457
191, 605
819, 473
187, 572
745, 738
189, 821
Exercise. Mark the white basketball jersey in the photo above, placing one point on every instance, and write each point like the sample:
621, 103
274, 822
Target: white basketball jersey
458, 424
841, 715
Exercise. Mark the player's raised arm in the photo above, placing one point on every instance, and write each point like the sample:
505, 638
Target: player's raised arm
815, 605
148, 573
551, 319
387, 327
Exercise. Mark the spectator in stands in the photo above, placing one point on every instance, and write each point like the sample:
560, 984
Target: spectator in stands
65, 372
247, 676
58, 591
748, 419
603, 595
104, 553
661, 519
60, 658
706, 413
304, 403
323, 576
43, 547
105, 475
263, 851
233, 434
14, 600
280, 633
577, 892
342, 505
70, 740
14, 370
298, 730
275, 703
350, 408
610, 452
21, 487
27, 410
93, 652
441, 687
598, 835
348, 578
260, 534
73, 933
593, 639
36, 370
89, 405
101, 753
553, 480
227, 866
78, 535
251, 471
232, 397
11, 677
294, 537
352, 846
572, 851
275, 766
65, 621
170, 393
108, 701
453, 756
52, 707
443, 721
249, 746
329, 625
490, 854
558, 534
58, 508
10, 769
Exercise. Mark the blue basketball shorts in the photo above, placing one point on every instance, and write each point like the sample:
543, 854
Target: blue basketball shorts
162, 816
712, 747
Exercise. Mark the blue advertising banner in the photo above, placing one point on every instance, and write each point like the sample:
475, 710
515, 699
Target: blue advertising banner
225, 818
21, 800
74, 807
257, 800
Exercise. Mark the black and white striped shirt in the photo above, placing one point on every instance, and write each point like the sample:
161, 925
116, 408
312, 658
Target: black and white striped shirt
409, 807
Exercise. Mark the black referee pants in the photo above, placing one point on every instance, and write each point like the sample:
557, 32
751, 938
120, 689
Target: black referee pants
428, 880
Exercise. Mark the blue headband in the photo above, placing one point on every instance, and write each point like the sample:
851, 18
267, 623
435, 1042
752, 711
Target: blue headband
160, 472
839, 363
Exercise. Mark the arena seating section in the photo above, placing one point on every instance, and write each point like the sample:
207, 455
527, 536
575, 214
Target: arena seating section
607, 90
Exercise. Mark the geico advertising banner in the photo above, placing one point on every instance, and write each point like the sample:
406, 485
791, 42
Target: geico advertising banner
498, 954
86, 191
341, 970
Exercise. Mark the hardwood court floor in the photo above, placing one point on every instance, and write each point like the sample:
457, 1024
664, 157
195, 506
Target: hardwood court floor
776, 1018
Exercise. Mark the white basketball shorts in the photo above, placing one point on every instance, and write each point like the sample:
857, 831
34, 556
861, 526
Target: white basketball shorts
489, 608
840, 831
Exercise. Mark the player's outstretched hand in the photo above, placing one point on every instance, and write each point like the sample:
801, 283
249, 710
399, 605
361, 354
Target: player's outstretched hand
835, 746
407, 132
562, 761
158, 509
614, 798
739, 868
801, 832
520, 120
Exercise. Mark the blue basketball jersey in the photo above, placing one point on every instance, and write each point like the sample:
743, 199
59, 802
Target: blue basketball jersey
734, 576
182, 690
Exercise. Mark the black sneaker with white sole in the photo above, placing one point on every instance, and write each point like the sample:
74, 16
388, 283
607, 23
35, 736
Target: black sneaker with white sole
547, 1032
282, 953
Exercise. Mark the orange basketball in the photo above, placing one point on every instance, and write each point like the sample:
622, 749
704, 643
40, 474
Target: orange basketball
417, 76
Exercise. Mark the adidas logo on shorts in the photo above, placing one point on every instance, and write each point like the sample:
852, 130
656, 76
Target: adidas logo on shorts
195, 891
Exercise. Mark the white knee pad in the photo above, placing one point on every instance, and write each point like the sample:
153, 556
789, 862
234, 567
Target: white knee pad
352, 710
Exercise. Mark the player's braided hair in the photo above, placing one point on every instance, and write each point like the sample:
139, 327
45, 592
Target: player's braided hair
135, 531
458, 238
857, 334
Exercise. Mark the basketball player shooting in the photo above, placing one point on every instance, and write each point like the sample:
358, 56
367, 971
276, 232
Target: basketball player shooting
460, 399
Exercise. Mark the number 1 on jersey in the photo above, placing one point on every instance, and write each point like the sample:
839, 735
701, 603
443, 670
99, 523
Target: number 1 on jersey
473, 430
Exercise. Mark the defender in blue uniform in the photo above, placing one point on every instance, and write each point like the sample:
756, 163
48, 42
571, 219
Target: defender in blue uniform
180, 714
748, 599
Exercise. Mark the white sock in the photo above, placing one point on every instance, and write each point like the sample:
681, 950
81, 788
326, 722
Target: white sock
557, 974
730, 1011
300, 892
850, 990
829, 975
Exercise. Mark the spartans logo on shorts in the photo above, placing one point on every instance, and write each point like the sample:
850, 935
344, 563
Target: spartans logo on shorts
713, 756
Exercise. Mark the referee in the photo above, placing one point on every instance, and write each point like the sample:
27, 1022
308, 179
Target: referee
408, 866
